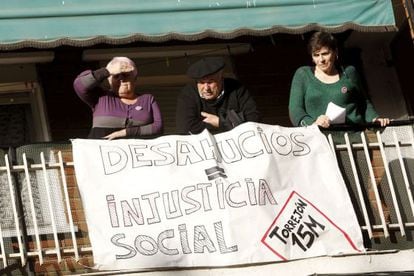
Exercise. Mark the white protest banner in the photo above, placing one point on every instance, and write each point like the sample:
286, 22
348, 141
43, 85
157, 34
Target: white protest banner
257, 193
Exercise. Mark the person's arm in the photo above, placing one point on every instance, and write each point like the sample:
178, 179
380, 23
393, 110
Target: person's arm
297, 113
370, 114
210, 119
188, 113
154, 128
363, 102
86, 83
248, 106
246, 111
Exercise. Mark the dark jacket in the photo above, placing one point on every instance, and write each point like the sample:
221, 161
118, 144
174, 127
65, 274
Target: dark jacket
234, 107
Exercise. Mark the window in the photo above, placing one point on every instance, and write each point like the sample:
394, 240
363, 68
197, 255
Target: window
22, 114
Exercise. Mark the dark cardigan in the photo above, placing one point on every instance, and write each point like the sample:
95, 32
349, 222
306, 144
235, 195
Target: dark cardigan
235, 106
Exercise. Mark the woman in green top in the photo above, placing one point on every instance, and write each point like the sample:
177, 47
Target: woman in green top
313, 88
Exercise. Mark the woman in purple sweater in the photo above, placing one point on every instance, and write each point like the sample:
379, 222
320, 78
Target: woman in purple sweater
118, 112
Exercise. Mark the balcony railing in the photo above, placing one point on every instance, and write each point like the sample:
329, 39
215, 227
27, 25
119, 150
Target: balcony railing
377, 167
42, 223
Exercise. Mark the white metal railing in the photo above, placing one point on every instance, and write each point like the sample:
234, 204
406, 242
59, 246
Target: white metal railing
390, 146
53, 191
397, 146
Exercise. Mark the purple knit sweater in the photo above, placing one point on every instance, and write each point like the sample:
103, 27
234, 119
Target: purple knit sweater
142, 118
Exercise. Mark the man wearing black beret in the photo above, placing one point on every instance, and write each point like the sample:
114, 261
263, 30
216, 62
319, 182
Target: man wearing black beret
213, 102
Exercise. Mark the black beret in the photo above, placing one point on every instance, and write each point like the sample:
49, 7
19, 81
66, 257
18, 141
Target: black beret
205, 66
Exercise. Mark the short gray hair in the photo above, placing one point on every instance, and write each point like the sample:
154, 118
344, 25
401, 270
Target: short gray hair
115, 60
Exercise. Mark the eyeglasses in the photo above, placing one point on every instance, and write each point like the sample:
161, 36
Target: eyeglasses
124, 76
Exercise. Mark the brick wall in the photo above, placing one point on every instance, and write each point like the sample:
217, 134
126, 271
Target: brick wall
68, 265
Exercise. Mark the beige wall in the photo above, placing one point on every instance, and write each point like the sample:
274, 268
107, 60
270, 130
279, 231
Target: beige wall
17, 73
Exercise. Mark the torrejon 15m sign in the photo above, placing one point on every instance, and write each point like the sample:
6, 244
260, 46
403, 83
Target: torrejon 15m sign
257, 193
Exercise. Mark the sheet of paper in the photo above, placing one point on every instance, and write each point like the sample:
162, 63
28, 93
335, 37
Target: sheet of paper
336, 113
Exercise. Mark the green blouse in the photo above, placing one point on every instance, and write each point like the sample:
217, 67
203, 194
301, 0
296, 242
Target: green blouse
309, 97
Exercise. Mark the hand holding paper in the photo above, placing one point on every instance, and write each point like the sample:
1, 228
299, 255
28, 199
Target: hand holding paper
335, 113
